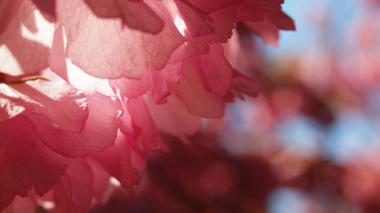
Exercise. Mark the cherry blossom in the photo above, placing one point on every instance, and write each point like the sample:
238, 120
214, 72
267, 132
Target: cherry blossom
88, 89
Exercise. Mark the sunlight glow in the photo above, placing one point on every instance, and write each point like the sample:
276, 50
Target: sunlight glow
180, 24
86, 82
175, 14
115, 182
44, 33
48, 205
9, 62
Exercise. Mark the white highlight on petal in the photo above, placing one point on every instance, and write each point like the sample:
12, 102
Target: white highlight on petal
176, 16
180, 24
44, 33
87, 83
8, 109
115, 182
9, 62
48, 205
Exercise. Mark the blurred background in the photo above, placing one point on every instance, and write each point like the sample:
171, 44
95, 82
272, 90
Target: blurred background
308, 143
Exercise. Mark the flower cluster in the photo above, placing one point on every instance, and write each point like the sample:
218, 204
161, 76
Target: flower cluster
88, 86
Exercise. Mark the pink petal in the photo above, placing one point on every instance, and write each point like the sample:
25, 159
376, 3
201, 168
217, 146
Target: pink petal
256, 10
167, 118
134, 13
6, 198
21, 54
222, 17
61, 104
193, 93
74, 191
160, 79
212, 5
266, 31
133, 88
57, 61
243, 84
217, 71
8, 9
160, 89
127, 125
102, 190
9, 106
106, 49
148, 138
283, 21
117, 160
196, 21
26, 161
47, 7
222, 22
21, 205
104, 118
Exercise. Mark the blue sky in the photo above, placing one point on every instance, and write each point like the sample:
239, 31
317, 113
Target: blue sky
308, 36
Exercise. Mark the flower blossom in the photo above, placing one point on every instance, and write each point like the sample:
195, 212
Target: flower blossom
88, 87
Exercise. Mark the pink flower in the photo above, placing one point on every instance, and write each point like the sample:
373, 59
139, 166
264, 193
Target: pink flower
88, 87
